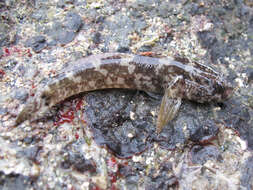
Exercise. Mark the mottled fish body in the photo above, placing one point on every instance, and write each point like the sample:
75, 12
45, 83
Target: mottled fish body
166, 76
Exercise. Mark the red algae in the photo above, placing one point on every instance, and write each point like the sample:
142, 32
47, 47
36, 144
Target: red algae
2, 73
16, 50
69, 115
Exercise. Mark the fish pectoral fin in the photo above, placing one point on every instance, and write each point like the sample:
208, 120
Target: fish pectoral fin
170, 103
168, 110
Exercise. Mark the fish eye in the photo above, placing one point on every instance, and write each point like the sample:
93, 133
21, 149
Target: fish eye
218, 88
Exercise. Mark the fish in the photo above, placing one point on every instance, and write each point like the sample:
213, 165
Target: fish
176, 80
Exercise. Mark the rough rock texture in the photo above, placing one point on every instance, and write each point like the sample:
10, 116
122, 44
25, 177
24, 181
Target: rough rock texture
107, 139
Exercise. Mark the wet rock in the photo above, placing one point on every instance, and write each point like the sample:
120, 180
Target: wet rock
96, 38
162, 179
78, 162
37, 43
247, 174
173, 134
249, 73
237, 116
207, 39
204, 133
132, 181
4, 34
164, 9
64, 32
163, 183
125, 170
108, 116
200, 154
65, 37
72, 22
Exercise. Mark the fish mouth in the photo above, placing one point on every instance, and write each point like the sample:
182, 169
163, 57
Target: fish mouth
229, 91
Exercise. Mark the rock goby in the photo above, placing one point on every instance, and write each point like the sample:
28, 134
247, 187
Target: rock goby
176, 80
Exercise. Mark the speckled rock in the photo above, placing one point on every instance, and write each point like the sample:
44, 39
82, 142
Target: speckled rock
4, 34
20, 94
201, 154
65, 32
14, 181
37, 43
70, 153
72, 21
247, 174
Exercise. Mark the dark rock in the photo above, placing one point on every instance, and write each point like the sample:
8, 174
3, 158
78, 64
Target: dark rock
249, 73
40, 14
37, 43
195, 9
31, 153
207, 39
200, 154
238, 117
28, 140
79, 163
11, 63
140, 25
166, 167
63, 3
132, 179
64, 33
172, 134
163, 182
145, 48
162, 179
65, 37
15, 181
100, 19
2, 4
83, 165
204, 133
247, 174
112, 125
4, 34
164, 9
96, 38
123, 49
93, 14
73, 22
125, 170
